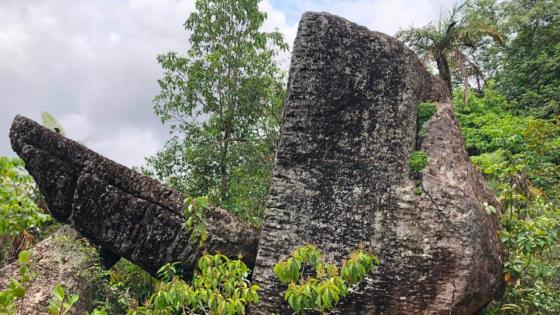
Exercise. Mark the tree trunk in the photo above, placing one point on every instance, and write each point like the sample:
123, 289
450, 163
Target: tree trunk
443, 69
224, 163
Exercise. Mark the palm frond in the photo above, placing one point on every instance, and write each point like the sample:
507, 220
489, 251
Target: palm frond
418, 38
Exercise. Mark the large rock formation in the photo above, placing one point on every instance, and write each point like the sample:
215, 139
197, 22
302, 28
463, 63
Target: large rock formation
342, 179
130, 215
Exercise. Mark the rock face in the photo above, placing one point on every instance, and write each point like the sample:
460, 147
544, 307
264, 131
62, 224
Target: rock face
342, 179
62, 259
130, 215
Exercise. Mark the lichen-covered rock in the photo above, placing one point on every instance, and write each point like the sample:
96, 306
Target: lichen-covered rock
342, 179
129, 215
63, 258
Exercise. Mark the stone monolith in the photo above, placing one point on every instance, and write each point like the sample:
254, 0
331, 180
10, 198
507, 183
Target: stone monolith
342, 179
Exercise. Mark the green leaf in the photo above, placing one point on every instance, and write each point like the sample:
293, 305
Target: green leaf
73, 299
50, 122
23, 257
18, 292
58, 292
53, 309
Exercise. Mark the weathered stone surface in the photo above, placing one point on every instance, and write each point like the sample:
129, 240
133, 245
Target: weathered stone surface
130, 215
342, 179
63, 258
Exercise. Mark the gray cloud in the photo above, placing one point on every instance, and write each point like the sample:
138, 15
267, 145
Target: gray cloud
93, 63
379, 15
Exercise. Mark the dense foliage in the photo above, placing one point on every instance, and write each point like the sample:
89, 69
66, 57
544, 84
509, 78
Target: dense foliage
529, 75
511, 125
219, 287
18, 198
20, 217
519, 155
223, 101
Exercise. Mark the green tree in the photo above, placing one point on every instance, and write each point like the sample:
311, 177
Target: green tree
519, 155
223, 101
530, 67
448, 41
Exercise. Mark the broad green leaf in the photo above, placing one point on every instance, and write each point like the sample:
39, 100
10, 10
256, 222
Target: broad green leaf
50, 122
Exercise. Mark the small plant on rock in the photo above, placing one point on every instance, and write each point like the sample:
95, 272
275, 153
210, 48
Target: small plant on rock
417, 163
323, 291
425, 111
17, 287
195, 223
61, 302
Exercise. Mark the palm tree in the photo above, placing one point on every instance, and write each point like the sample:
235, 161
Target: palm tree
447, 42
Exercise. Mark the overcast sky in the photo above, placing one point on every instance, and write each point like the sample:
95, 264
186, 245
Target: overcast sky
92, 63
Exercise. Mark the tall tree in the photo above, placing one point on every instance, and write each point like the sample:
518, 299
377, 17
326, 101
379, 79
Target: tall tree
447, 41
530, 67
222, 100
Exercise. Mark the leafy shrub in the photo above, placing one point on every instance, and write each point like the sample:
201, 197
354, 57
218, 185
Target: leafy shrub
17, 287
195, 223
18, 195
322, 292
61, 302
219, 287
19, 212
121, 287
417, 162
425, 111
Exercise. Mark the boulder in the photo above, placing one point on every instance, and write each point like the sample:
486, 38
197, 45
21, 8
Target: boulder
342, 179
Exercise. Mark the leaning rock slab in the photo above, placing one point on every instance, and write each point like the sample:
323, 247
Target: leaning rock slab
129, 215
342, 179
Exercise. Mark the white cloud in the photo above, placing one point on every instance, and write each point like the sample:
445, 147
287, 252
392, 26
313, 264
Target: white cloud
379, 15
128, 146
77, 127
94, 59
277, 19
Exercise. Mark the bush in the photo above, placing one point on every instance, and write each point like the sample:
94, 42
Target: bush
220, 286
323, 291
